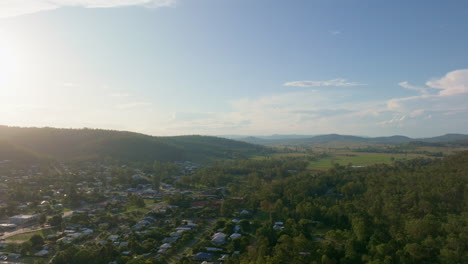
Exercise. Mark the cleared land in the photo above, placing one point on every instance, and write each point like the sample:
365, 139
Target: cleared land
27, 235
358, 159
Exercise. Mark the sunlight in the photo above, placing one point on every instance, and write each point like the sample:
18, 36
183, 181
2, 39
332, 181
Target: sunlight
9, 59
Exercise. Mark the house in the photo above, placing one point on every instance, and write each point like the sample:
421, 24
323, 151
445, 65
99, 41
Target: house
165, 246
42, 253
235, 235
65, 240
183, 228
136, 177
278, 225
7, 227
24, 219
213, 249
170, 239
123, 244
113, 238
218, 239
244, 212
87, 231
176, 234
203, 256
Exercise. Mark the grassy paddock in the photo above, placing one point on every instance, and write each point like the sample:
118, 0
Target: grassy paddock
359, 159
30, 260
342, 155
26, 236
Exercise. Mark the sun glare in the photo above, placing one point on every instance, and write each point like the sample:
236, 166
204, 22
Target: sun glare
9, 58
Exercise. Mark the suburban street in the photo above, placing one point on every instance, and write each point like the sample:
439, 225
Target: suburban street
192, 243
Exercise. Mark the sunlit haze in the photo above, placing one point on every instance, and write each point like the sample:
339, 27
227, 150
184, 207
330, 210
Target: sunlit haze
249, 67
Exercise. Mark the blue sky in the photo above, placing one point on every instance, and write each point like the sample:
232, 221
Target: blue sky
252, 67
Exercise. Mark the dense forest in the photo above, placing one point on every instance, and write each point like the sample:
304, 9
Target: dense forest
408, 212
120, 145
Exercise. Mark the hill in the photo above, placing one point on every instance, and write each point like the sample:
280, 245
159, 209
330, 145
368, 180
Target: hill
120, 145
9, 152
336, 138
446, 138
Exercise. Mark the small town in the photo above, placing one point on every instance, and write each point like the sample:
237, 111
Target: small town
118, 208
233, 132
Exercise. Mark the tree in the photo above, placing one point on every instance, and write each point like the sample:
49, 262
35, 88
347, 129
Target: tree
245, 225
37, 240
134, 200
56, 220
228, 207
156, 181
42, 219
26, 247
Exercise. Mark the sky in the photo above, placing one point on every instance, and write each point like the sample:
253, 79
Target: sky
236, 67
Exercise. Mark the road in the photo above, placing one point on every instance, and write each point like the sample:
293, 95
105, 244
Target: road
31, 228
189, 246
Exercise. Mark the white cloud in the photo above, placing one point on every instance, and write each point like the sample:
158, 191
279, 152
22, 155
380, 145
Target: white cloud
408, 86
417, 113
397, 120
305, 111
336, 82
334, 32
455, 82
327, 111
12, 8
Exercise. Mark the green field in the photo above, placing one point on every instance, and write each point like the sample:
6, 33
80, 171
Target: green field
344, 157
358, 159
28, 235
31, 260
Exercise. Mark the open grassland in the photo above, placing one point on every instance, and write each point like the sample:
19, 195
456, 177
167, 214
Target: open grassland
320, 158
445, 150
33, 260
358, 159
27, 235
326, 159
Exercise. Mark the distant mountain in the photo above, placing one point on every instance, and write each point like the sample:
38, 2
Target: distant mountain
445, 138
336, 138
126, 146
391, 140
267, 138
257, 140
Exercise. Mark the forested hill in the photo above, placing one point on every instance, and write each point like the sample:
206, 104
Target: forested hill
120, 145
336, 138
9, 151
